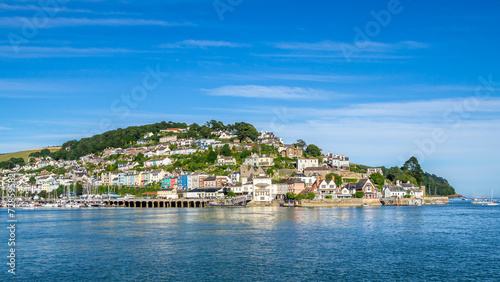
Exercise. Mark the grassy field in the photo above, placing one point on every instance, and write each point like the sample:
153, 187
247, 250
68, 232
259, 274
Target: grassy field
24, 154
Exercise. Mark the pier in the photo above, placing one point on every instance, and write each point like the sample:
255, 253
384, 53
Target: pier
158, 203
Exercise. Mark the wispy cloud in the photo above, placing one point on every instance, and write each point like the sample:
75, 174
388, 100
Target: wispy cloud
332, 46
270, 92
341, 50
70, 22
58, 52
333, 56
318, 78
294, 77
4, 128
30, 7
202, 44
56, 9
425, 111
444, 88
31, 85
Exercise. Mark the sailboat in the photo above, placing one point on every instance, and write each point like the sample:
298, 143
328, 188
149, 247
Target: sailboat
491, 202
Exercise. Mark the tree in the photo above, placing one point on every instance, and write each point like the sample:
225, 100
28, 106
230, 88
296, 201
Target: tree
231, 194
290, 195
245, 153
139, 158
45, 152
225, 151
42, 194
32, 180
413, 168
301, 197
300, 144
338, 180
377, 178
329, 176
211, 156
313, 150
216, 125
244, 130
359, 194
311, 195
205, 131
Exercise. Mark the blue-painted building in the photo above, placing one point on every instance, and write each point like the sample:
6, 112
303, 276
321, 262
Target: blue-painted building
182, 182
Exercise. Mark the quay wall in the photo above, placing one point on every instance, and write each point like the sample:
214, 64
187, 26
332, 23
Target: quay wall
430, 200
340, 202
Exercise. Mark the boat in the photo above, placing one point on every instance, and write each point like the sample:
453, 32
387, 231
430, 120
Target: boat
480, 202
288, 205
365, 205
491, 202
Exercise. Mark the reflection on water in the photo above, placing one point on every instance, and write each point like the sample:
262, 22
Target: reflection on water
457, 241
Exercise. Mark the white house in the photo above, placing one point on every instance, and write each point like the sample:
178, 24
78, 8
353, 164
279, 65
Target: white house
417, 193
157, 175
163, 151
223, 160
302, 163
264, 190
167, 139
157, 162
258, 160
184, 151
391, 191
327, 187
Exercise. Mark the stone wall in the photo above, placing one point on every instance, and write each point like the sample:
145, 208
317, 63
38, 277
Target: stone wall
340, 202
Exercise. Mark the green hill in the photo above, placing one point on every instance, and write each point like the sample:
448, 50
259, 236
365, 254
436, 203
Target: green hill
24, 154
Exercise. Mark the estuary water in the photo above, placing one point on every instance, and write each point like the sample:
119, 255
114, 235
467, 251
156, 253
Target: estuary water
459, 241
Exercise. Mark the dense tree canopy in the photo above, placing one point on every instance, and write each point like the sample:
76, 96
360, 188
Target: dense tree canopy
437, 185
115, 138
244, 130
211, 156
225, 150
377, 178
11, 163
313, 150
124, 138
411, 171
412, 167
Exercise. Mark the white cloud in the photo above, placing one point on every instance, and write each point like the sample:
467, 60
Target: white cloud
201, 44
332, 46
336, 78
7, 7
65, 22
435, 111
58, 52
445, 88
368, 50
4, 128
32, 85
270, 92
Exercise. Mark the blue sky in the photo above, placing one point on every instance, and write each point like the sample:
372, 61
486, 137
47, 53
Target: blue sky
378, 81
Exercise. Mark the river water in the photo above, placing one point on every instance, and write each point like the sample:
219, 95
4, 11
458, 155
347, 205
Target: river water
459, 241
